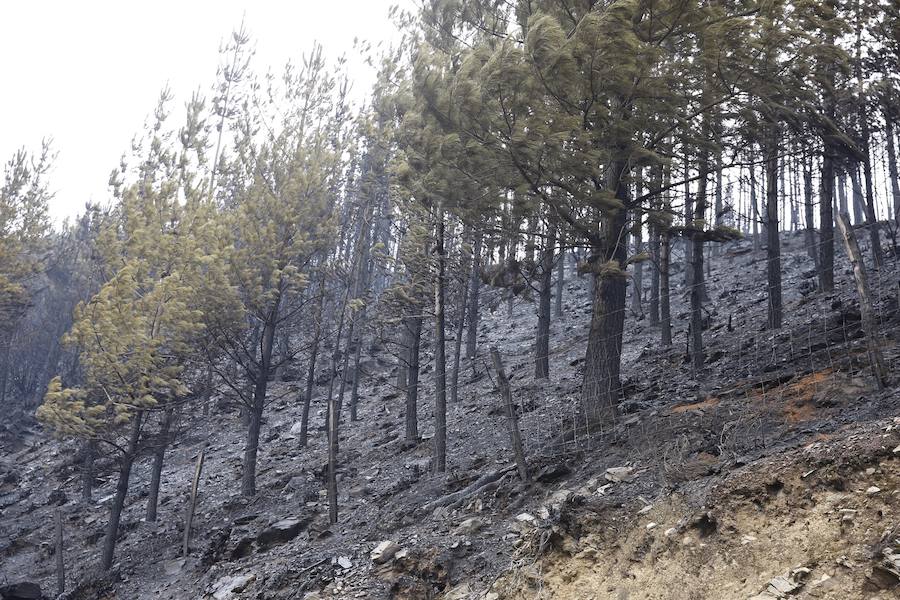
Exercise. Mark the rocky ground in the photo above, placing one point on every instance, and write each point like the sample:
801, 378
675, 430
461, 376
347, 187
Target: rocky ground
772, 473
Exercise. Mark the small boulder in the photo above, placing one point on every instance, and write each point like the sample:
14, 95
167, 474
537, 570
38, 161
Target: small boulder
469, 526
620, 474
25, 590
226, 587
384, 552
281, 531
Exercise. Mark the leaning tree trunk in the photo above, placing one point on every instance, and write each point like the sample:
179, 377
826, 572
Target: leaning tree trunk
311, 371
118, 503
248, 474
159, 454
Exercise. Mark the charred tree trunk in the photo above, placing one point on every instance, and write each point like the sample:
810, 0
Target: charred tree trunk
311, 370
118, 503
512, 421
773, 247
542, 337
601, 385
560, 273
857, 195
665, 313
653, 244
826, 199
892, 164
869, 324
87, 473
810, 234
754, 205
333, 420
467, 266
472, 311
413, 341
440, 360
248, 475
697, 357
637, 293
159, 454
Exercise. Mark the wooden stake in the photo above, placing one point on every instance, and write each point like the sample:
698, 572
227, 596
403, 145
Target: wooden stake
60, 563
512, 421
865, 302
192, 505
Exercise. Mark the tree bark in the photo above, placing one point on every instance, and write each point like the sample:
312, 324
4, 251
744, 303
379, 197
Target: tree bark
892, 164
512, 420
311, 370
60, 562
248, 474
118, 503
858, 200
601, 385
754, 205
192, 503
560, 273
826, 201
440, 361
638, 291
696, 289
542, 337
159, 453
333, 420
665, 316
472, 311
869, 324
773, 246
414, 337
810, 233
87, 475
467, 266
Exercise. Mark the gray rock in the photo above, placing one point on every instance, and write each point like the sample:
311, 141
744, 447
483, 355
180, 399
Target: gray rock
226, 587
384, 552
469, 526
24, 590
281, 531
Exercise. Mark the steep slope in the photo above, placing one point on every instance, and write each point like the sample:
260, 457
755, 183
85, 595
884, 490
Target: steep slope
750, 462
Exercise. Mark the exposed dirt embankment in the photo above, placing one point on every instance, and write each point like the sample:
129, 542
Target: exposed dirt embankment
821, 521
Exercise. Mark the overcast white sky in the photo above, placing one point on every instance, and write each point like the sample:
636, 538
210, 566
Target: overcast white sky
88, 73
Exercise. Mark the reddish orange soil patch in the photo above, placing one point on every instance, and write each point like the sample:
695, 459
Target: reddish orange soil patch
797, 397
702, 405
